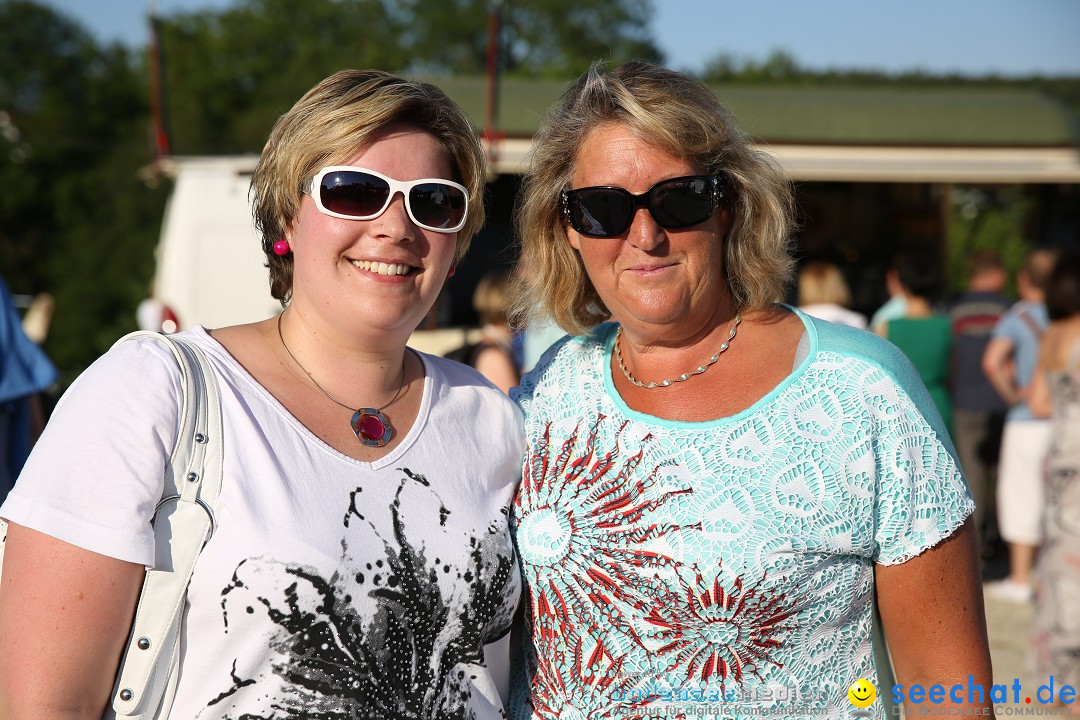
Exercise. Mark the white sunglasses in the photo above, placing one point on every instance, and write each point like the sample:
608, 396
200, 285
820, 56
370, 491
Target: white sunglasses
356, 193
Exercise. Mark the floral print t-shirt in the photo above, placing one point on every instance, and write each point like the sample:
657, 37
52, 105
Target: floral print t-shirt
727, 567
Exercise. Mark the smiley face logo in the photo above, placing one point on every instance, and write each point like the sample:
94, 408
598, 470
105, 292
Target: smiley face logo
861, 693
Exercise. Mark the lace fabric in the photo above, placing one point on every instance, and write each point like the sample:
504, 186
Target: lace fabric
734, 556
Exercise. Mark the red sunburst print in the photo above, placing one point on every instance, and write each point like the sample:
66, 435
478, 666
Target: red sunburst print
719, 629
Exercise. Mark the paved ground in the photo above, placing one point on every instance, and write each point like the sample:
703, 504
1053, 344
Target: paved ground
1008, 625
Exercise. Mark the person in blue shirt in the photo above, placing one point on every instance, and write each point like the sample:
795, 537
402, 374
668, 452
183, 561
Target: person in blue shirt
1009, 363
715, 486
25, 372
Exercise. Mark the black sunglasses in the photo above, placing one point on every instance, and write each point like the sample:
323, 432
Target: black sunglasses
356, 193
606, 212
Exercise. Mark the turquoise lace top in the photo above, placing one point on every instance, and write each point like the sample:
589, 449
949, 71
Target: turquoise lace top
722, 566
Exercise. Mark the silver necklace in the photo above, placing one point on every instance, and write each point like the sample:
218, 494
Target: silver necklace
370, 425
686, 375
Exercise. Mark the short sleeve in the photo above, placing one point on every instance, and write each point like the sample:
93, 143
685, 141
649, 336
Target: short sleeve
921, 497
96, 474
1008, 327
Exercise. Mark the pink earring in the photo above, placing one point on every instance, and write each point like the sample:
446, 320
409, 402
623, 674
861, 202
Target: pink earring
452, 271
281, 247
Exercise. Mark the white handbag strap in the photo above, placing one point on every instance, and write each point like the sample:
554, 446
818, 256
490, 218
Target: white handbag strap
184, 521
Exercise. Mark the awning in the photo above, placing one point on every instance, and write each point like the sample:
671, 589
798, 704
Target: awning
839, 163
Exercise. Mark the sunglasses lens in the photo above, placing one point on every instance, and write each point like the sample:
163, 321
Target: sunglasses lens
599, 212
352, 193
437, 205
682, 202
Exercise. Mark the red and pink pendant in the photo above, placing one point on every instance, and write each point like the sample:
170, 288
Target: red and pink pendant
371, 427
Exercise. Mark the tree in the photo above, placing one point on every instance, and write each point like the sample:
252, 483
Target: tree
74, 218
550, 38
229, 74
778, 67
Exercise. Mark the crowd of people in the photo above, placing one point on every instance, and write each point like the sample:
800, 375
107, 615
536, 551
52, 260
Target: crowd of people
1004, 376
697, 489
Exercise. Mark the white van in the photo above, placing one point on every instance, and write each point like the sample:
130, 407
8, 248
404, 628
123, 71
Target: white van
210, 265
211, 269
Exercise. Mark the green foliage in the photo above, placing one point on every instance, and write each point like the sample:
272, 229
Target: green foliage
75, 220
540, 38
986, 219
782, 68
230, 74
778, 67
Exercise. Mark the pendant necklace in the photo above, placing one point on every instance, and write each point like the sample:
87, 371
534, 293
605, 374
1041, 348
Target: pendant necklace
686, 375
370, 425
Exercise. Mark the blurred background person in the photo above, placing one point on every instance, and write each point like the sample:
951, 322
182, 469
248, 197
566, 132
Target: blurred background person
978, 410
923, 333
493, 354
824, 294
894, 307
1055, 392
25, 372
1009, 363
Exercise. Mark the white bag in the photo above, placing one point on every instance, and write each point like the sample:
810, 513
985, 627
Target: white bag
183, 522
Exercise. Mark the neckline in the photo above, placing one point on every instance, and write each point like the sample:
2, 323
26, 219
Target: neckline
394, 455
609, 383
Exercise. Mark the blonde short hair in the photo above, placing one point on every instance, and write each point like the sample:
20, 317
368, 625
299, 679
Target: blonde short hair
331, 123
680, 115
821, 283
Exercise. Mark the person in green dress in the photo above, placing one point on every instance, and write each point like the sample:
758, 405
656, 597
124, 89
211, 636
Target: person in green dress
924, 334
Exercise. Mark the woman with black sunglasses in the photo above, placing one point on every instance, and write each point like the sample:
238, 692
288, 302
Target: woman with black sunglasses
360, 564
716, 485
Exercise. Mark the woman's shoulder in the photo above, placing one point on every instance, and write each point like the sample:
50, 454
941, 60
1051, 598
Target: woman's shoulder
570, 351
565, 365
1062, 343
138, 359
861, 345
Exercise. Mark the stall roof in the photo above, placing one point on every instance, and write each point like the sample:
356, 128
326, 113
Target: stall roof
850, 134
886, 115
948, 135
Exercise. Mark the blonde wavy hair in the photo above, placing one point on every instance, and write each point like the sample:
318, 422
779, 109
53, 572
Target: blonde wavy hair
330, 124
680, 115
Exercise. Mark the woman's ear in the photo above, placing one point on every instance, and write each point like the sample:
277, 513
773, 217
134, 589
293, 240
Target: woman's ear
573, 238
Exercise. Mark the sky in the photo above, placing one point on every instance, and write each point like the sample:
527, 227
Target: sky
971, 37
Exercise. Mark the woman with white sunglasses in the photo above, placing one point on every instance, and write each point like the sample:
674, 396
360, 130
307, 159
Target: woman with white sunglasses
360, 565
716, 485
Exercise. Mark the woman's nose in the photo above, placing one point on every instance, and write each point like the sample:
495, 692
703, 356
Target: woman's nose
645, 233
395, 219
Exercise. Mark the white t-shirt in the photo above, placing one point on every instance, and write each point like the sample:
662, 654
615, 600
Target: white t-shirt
331, 587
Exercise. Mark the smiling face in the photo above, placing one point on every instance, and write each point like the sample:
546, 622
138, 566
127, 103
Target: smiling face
660, 284
381, 275
861, 693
